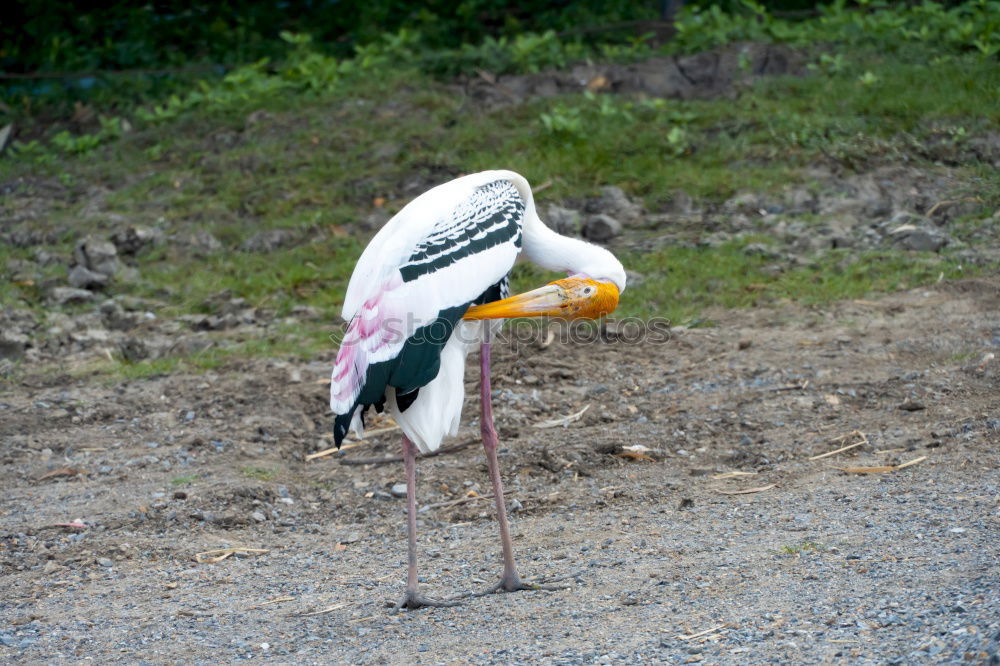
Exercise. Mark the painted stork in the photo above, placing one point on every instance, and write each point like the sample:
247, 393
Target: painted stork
420, 299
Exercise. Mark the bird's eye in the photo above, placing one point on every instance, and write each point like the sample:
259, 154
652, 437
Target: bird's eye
588, 291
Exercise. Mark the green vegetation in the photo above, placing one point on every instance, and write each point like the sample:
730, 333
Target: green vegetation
259, 473
301, 64
679, 283
185, 480
799, 548
312, 142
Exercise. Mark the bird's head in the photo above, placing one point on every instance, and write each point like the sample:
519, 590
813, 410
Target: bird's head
575, 297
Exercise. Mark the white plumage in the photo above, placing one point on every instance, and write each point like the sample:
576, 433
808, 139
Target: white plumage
440, 253
406, 344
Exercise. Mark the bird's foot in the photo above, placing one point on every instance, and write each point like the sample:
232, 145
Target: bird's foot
415, 600
515, 584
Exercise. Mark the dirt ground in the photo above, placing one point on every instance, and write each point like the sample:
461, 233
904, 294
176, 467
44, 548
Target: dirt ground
811, 564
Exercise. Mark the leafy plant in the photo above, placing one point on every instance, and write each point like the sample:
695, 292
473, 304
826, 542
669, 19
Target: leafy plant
567, 121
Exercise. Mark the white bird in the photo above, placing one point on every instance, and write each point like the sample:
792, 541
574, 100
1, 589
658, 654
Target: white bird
417, 304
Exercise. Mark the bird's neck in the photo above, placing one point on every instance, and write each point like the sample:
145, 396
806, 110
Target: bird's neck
556, 252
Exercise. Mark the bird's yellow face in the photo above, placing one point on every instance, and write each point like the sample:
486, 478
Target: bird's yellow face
570, 298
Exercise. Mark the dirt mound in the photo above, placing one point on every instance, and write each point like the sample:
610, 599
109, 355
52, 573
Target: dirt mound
710, 74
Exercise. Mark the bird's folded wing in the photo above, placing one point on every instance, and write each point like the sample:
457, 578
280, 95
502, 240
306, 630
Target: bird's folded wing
409, 289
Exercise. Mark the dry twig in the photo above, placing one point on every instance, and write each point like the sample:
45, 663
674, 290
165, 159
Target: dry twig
747, 491
793, 387
56, 473
456, 502
732, 475
278, 600
351, 443
879, 469
328, 609
219, 554
563, 420
862, 439
394, 459
688, 637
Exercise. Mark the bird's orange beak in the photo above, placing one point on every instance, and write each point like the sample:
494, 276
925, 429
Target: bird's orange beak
570, 298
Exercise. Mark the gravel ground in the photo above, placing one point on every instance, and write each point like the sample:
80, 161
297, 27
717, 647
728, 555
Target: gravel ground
819, 565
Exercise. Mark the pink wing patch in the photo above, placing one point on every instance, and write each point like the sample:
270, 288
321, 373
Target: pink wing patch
371, 337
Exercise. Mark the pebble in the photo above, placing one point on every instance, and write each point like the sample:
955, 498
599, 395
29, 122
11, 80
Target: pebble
258, 516
398, 490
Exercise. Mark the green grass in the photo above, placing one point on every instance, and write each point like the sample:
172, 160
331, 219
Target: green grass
303, 342
315, 164
259, 473
680, 283
798, 548
185, 480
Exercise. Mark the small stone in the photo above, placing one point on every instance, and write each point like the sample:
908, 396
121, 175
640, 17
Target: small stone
398, 490
613, 201
82, 277
13, 344
97, 255
515, 506
564, 220
180, 495
258, 516
760, 250
633, 278
132, 239
376, 219
681, 203
912, 406
305, 312
133, 350
200, 243
919, 239
105, 562
70, 295
115, 316
601, 228
268, 241
742, 202
44, 258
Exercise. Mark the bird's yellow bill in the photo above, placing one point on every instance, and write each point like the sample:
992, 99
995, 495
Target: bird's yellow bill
570, 298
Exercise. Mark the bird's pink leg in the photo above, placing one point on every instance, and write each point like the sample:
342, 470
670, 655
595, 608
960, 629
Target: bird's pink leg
413, 598
510, 581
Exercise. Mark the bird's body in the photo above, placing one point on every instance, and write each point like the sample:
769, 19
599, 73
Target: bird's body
406, 344
408, 307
